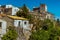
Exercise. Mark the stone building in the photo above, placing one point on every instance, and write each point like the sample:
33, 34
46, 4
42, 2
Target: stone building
8, 18
42, 13
8, 9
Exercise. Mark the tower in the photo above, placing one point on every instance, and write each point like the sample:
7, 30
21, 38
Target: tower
43, 8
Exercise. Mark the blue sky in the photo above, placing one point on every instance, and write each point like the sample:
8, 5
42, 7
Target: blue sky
53, 5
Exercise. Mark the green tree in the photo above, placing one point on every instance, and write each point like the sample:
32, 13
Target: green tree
11, 34
47, 32
25, 9
24, 12
39, 35
58, 20
19, 13
58, 23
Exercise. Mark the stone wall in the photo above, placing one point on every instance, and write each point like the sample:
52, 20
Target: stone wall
10, 22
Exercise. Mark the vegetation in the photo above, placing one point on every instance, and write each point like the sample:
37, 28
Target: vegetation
42, 30
46, 31
24, 12
11, 34
58, 23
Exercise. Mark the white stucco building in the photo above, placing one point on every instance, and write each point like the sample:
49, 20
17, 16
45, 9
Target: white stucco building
8, 7
14, 9
3, 25
20, 22
9, 20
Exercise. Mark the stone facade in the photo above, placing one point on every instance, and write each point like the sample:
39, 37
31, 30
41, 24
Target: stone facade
4, 10
7, 19
7, 14
21, 30
42, 13
8, 9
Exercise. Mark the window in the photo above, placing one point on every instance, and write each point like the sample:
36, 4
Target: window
0, 24
43, 9
15, 9
19, 23
2, 10
25, 23
6, 10
47, 16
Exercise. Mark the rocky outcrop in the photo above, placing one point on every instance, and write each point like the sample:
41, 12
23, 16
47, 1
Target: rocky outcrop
23, 34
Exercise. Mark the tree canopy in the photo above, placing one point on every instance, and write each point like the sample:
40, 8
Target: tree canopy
46, 32
11, 34
24, 12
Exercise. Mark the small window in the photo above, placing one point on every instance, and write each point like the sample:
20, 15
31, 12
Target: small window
25, 23
43, 9
47, 17
15, 9
2, 10
0, 24
19, 23
6, 10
